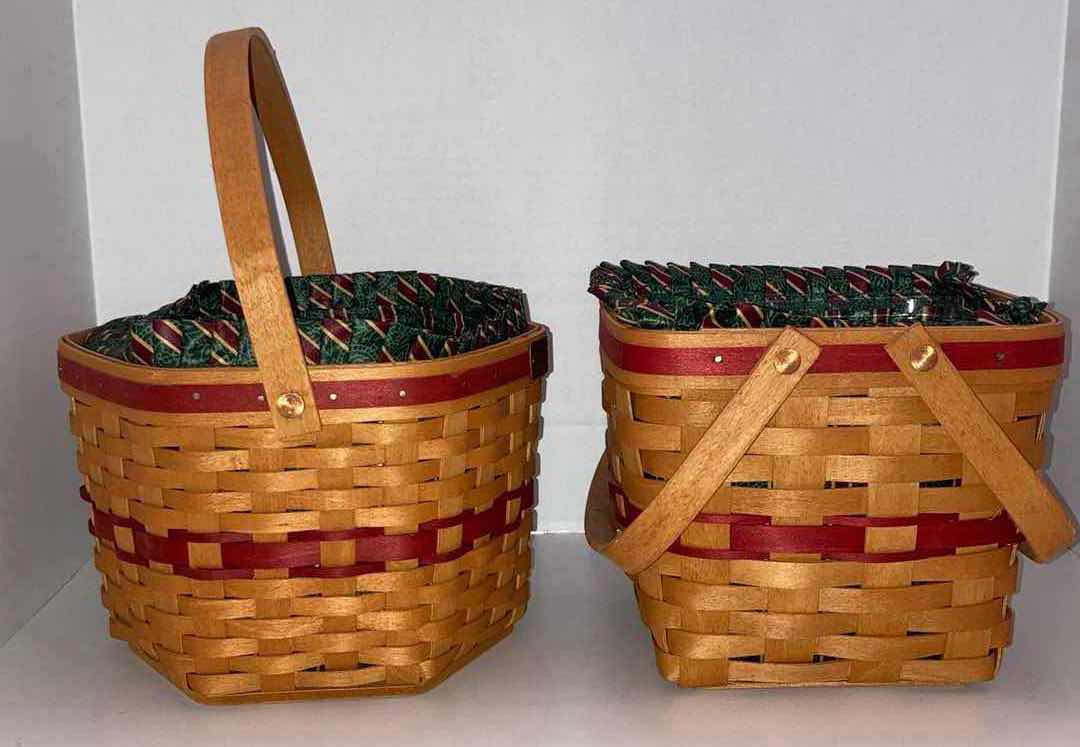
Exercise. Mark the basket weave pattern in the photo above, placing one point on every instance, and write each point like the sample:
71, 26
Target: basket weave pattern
375, 554
852, 543
293, 530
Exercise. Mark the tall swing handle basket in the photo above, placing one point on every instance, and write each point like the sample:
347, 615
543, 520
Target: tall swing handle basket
298, 531
771, 584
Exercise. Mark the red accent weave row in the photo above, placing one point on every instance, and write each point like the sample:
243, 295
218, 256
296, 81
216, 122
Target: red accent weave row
417, 390
739, 361
753, 536
240, 555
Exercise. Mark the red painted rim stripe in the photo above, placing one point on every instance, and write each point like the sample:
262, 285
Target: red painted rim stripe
754, 537
240, 555
199, 398
739, 361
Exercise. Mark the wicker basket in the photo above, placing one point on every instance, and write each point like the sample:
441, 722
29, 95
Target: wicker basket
827, 506
293, 531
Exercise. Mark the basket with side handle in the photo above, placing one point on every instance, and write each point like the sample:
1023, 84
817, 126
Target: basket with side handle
827, 506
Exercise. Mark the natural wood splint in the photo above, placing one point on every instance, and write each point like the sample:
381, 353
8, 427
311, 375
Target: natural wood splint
372, 539
850, 530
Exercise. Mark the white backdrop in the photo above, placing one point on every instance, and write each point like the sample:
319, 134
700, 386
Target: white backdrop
1064, 468
523, 142
45, 291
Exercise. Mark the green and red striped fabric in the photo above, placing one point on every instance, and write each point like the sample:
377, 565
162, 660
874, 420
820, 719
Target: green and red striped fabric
366, 317
696, 296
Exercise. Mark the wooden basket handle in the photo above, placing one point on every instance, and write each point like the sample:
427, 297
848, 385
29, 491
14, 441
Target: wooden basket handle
243, 82
1041, 516
707, 465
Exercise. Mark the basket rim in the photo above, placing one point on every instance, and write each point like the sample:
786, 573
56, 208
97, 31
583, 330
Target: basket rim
1052, 325
68, 348
342, 393
723, 353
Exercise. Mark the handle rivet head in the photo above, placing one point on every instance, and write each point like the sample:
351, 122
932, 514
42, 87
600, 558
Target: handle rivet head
787, 361
290, 405
924, 358
718, 358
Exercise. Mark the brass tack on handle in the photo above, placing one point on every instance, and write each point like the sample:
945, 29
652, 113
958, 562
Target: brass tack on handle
290, 405
787, 361
924, 358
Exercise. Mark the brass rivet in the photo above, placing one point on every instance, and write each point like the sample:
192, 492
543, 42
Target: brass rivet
718, 359
290, 405
924, 358
787, 361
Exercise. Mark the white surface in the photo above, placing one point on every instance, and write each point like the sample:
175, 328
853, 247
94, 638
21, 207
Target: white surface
45, 291
522, 142
1064, 469
577, 670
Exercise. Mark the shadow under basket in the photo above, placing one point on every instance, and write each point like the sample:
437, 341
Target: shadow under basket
292, 530
827, 506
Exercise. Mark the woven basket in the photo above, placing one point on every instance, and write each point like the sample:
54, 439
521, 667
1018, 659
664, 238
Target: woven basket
293, 531
827, 506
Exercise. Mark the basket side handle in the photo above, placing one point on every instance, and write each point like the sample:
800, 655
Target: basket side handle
1031, 502
243, 82
709, 463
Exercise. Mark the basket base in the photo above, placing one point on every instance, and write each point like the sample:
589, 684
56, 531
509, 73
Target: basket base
325, 692
956, 673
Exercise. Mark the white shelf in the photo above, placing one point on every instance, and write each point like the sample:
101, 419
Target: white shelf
578, 670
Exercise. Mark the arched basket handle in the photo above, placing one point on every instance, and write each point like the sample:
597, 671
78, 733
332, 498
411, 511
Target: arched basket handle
708, 464
243, 84
1040, 514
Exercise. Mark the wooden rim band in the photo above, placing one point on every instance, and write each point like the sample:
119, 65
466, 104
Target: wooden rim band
243, 82
518, 362
737, 360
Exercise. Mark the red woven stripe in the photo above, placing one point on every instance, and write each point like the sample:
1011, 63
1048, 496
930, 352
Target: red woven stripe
841, 537
738, 361
889, 521
245, 397
240, 556
765, 539
418, 390
970, 533
837, 520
